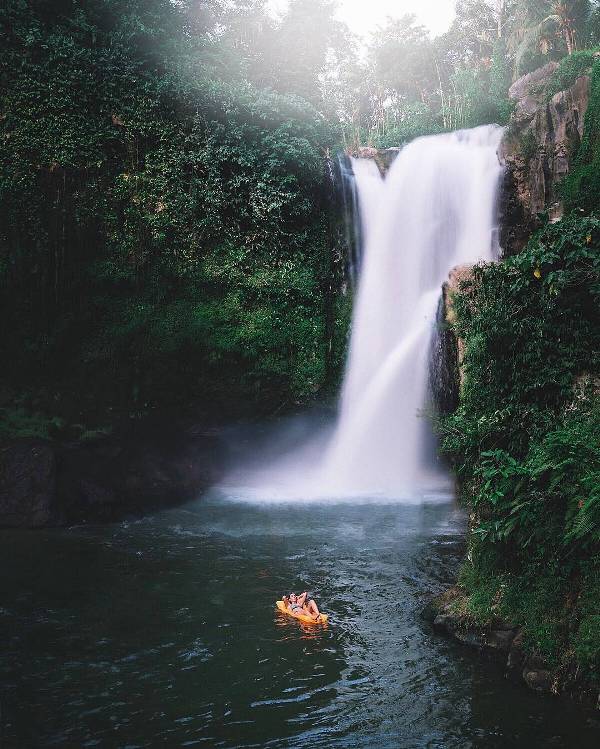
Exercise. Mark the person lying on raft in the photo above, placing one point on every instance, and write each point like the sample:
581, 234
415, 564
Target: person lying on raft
302, 604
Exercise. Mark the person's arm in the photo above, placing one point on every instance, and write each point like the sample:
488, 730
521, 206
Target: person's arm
302, 598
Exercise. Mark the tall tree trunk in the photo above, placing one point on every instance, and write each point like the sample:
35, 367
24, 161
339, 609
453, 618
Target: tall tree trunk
570, 38
444, 113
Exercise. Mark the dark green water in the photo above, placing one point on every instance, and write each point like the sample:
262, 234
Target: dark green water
162, 632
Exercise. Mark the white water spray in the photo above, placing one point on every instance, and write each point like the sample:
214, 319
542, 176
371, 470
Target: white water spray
435, 210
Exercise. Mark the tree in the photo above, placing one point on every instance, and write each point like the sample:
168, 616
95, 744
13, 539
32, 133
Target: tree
163, 226
403, 59
301, 42
547, 25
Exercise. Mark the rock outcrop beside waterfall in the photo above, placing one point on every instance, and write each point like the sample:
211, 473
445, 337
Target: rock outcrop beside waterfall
383, 157
46, 484
537, 151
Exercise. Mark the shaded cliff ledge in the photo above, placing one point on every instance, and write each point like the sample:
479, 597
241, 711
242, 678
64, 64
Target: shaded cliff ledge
538, 149
141, 470
449, 614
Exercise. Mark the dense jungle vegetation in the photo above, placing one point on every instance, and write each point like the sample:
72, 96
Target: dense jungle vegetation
164, 228
167, 231
169, 235
525, 438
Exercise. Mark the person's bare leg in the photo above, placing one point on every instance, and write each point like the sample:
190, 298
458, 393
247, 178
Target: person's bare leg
313, 608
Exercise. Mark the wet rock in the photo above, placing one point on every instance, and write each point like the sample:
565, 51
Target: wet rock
500, 639
365, 152
557, 129
449, 373
528, 92
469, 637
28, 484
443, 623
505, 643
112, 479
430, 611
444, 379
540, 680
383, 157
516, 655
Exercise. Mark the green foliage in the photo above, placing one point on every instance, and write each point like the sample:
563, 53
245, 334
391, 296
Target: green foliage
25, 421
499, 83
536, 602
480, 99
403, 59
420, 86
546, 28
524, 439
417, 121
585, 640
559, 477
581, 187
483, 584
165, 232
569, 70
518, 315
20, 422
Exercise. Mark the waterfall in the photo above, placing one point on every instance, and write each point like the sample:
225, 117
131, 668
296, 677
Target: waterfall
434, 210
355, 212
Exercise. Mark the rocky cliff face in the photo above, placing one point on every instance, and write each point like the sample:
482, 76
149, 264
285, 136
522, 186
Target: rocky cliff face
538, 149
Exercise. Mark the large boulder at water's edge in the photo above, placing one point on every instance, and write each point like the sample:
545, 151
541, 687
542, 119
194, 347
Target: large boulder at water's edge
28, 484
109, 479
45, 484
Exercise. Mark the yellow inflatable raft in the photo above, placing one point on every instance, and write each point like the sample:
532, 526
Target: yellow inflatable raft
301, 617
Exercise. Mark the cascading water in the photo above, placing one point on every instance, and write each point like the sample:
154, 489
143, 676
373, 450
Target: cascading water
354, 217
435, 210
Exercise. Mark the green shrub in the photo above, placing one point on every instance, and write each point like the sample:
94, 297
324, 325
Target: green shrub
585, 639
581, 187
164, 230
569, 69
524, 439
